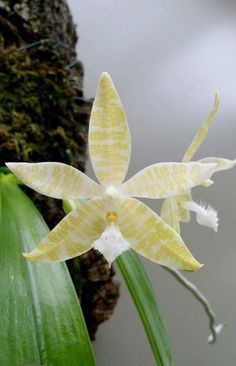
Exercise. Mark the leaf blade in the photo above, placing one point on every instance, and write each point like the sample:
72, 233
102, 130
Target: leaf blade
142, 293
41, 319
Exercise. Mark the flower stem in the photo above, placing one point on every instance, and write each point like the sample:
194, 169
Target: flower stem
200, 298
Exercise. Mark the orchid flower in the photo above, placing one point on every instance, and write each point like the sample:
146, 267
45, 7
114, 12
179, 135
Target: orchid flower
177, 209
110, 220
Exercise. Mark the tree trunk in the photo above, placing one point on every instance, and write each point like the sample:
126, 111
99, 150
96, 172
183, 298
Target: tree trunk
44, 117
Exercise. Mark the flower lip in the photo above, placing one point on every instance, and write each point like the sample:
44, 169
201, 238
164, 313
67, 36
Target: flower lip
205, 214
111, 243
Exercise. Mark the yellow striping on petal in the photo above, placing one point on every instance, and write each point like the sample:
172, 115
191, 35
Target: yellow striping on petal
183, 214
166, 179
112, 135
202, 132
73, 236
56, 180
170, 213
151, 237
221, 164
109, 137
175, 213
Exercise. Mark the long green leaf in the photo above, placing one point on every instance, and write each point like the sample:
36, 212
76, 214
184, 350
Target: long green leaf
144, 298
41, 321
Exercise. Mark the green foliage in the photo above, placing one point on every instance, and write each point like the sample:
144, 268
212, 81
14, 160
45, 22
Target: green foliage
144, 298
41, 319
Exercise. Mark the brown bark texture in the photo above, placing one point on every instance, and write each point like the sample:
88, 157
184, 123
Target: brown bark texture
44, 117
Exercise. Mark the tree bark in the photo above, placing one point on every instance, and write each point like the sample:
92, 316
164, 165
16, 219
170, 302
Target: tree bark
44, 117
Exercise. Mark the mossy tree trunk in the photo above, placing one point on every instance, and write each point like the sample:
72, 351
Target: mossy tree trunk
44, 117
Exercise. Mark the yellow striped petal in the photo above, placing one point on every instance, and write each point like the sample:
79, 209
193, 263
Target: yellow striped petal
221, 164
151, 237
202, 132
166, 179
56, 180
109, 137
73, 236
183, 214
170, 213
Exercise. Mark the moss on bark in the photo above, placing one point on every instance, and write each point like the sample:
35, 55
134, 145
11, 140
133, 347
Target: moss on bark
44, 117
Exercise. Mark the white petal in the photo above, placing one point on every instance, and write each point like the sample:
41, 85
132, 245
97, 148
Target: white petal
111, 243
205, 214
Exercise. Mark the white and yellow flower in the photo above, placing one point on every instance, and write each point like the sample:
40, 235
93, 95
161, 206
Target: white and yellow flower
177, 209
111, 221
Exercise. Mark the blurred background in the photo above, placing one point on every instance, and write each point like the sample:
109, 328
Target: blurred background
166, 59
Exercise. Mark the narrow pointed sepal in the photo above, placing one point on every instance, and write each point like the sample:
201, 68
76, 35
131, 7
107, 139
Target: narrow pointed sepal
202, 132
109, 137
56, 180
166, 179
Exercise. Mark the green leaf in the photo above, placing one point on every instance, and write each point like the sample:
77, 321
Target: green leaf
41, 321
144, 298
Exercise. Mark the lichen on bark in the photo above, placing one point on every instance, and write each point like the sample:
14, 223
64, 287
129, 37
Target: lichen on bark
44, 117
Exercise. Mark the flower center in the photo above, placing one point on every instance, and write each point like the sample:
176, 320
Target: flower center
111, 192
111, 217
